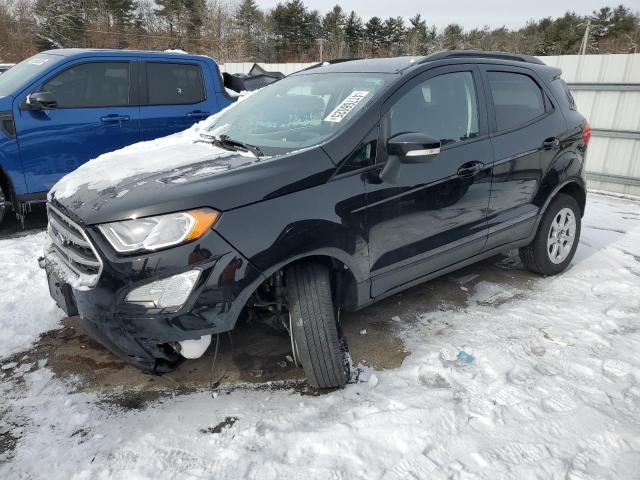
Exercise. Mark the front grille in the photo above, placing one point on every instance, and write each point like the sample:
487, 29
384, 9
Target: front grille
72, 246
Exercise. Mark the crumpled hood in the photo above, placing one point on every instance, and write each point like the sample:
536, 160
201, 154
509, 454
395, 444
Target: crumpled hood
180, 172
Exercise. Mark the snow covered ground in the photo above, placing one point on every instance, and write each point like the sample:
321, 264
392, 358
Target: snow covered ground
548, 387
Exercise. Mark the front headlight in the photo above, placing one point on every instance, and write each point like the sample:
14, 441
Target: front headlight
153, 233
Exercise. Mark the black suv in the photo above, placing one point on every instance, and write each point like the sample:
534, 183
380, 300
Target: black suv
330, 189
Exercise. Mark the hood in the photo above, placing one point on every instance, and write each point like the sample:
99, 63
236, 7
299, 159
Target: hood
178, 173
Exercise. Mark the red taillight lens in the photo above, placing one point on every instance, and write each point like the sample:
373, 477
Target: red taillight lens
586, 133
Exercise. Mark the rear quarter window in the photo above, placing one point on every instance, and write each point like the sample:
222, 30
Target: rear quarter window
563, 94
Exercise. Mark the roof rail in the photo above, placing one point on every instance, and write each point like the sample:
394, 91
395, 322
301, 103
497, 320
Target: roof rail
514, 57
328, 62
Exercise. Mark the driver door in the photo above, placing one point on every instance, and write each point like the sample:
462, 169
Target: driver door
96, 114
432, 214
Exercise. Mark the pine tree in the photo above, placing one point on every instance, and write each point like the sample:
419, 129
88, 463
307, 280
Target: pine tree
394, 34
375, 34
294, 28
353, 34
121, 14
333, 25
249, 20
452, 37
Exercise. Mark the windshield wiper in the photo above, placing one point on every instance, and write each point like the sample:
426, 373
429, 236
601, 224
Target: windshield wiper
228, 143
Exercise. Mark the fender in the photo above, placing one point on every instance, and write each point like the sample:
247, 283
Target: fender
11, 175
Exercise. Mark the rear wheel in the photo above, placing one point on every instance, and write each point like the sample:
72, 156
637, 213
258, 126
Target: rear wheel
316, 337
557, 238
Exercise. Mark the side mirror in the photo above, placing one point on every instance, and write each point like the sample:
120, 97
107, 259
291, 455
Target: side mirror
413, 147
40, 101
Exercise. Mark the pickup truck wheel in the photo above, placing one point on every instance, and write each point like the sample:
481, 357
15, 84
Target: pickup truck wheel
557, 238
3, 204
316, 336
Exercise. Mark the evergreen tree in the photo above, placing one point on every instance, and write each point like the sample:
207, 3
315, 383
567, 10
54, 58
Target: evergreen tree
394, 34
333, 25
294, 27
375, 34
353, 34
122, 14
249, 20
452, 37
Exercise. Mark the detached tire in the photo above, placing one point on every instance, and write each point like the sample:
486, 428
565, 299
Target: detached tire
557, 238
316, 336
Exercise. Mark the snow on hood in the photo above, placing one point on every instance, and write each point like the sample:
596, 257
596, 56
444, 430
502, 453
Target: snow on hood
155, 156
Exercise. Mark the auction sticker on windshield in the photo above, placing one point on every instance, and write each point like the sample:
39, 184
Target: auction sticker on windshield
348, 104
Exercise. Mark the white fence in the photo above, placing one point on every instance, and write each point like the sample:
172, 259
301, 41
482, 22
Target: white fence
607, 91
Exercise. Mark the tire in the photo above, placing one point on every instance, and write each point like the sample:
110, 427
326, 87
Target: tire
3, 204
316, 337
540, 256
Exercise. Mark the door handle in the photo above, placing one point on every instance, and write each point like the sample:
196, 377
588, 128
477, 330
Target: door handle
550, 143
470, 169
115, 118
198, 114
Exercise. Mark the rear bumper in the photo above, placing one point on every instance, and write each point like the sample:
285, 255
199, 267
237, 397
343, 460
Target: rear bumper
141, 335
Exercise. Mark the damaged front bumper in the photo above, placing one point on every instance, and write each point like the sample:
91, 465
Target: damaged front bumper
142, 334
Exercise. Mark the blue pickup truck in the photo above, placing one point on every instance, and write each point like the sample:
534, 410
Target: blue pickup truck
61, 108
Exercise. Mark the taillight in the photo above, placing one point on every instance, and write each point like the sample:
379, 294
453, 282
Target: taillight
586, 133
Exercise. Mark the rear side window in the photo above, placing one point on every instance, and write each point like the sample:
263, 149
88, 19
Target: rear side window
174, 84
517, 99
562, 92
104, 84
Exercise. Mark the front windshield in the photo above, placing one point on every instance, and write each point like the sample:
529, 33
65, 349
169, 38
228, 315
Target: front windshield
299, 111
22, 73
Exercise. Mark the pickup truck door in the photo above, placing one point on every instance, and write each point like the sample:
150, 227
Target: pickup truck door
176, 95
96, 113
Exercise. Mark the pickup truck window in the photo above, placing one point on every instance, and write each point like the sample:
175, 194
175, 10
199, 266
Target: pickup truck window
174, 84
20, 75
100, 84
299, 111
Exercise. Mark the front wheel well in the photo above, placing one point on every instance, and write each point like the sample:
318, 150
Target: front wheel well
7, 186
343, 282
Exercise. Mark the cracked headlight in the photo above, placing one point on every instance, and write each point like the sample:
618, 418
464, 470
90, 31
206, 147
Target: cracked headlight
153, 233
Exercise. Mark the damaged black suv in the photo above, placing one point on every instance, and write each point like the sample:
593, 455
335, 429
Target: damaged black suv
330, 189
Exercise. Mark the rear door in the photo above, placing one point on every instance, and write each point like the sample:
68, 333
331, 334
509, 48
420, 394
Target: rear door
176, 97
96, 114
433, 214
526, 131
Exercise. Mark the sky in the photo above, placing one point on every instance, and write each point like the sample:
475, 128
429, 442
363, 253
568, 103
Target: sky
468, 13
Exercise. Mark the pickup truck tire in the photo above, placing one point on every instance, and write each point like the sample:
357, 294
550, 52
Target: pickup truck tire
557, 237
316, 336
3, 203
